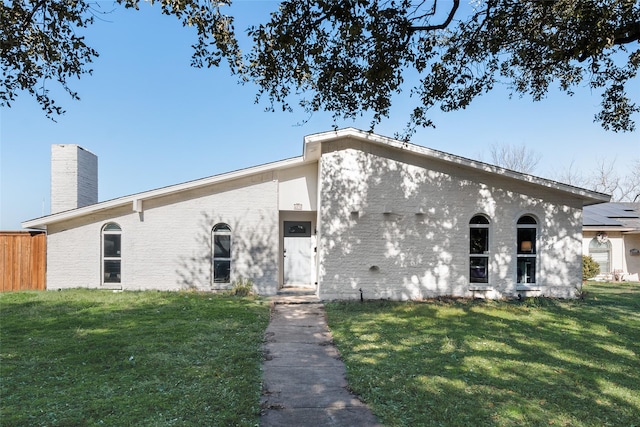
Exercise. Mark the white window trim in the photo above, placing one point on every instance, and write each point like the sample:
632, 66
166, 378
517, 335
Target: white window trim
103, 258
532, 285
483, 255
215, 233
601, 251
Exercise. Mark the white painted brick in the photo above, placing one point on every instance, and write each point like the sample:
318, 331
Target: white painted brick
391, 223
167, 246
401, 255
74, 177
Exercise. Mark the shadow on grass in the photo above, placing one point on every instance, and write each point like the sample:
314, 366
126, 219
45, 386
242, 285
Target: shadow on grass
464, 362
147, 358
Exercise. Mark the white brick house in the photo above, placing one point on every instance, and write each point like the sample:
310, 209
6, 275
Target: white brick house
356, 214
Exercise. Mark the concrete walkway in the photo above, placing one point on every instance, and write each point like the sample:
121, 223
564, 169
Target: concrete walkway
303, 376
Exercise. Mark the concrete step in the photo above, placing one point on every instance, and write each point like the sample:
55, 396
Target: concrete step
296, 291
295, 295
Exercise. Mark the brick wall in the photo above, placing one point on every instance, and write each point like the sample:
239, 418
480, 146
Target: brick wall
167, 246
397, 226
74, 177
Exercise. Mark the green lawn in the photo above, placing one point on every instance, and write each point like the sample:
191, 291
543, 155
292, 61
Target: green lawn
85, 358
156, 359
496, 363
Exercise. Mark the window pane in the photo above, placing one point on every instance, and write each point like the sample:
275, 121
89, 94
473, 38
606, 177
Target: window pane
479, 240
111, 245
479, 269
526, 240
112, 226
602, 258
297, 229
221, 227
222, 246
112, 271
221, 271
527, 220
479, 219
527, 270
596, 246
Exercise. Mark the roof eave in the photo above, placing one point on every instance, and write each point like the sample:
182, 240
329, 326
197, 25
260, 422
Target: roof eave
588, 197
42, 222
592, 227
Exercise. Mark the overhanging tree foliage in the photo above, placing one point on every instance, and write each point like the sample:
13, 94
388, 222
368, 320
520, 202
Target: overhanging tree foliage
38, 43
353, 56
41, 42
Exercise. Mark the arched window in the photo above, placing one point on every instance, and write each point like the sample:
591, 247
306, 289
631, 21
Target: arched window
600, 251
221, 248
527, 249
111, 253
479, 249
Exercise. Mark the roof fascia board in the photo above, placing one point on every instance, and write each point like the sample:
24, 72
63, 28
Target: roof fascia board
589, 197
42, 222
606, 228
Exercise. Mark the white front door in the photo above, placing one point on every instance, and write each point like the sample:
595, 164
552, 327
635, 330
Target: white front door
298, 254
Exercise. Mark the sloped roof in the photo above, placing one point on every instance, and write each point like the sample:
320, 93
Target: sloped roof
623, 216
589, 197
311, 152
132, 199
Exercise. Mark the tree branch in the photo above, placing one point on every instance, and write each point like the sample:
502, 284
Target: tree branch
34, 9
431, 12
628, 34
442, 26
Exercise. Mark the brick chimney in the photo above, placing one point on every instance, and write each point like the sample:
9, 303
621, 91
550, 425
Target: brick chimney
74, 177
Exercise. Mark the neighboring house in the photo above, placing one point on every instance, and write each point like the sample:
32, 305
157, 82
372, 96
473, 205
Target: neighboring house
356, 214
611, 236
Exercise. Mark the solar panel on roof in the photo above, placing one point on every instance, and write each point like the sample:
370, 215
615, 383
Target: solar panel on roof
595, 219
605, 214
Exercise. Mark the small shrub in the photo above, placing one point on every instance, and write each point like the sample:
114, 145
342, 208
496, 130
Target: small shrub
590, 268
242, 287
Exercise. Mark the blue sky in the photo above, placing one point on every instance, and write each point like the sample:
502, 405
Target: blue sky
153, 121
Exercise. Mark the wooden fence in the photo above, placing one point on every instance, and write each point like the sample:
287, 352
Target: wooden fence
23, 260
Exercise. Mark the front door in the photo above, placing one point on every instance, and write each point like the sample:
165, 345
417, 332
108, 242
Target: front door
298, 253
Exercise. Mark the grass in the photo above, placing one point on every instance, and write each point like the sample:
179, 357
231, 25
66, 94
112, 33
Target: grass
89, 358
496, 363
